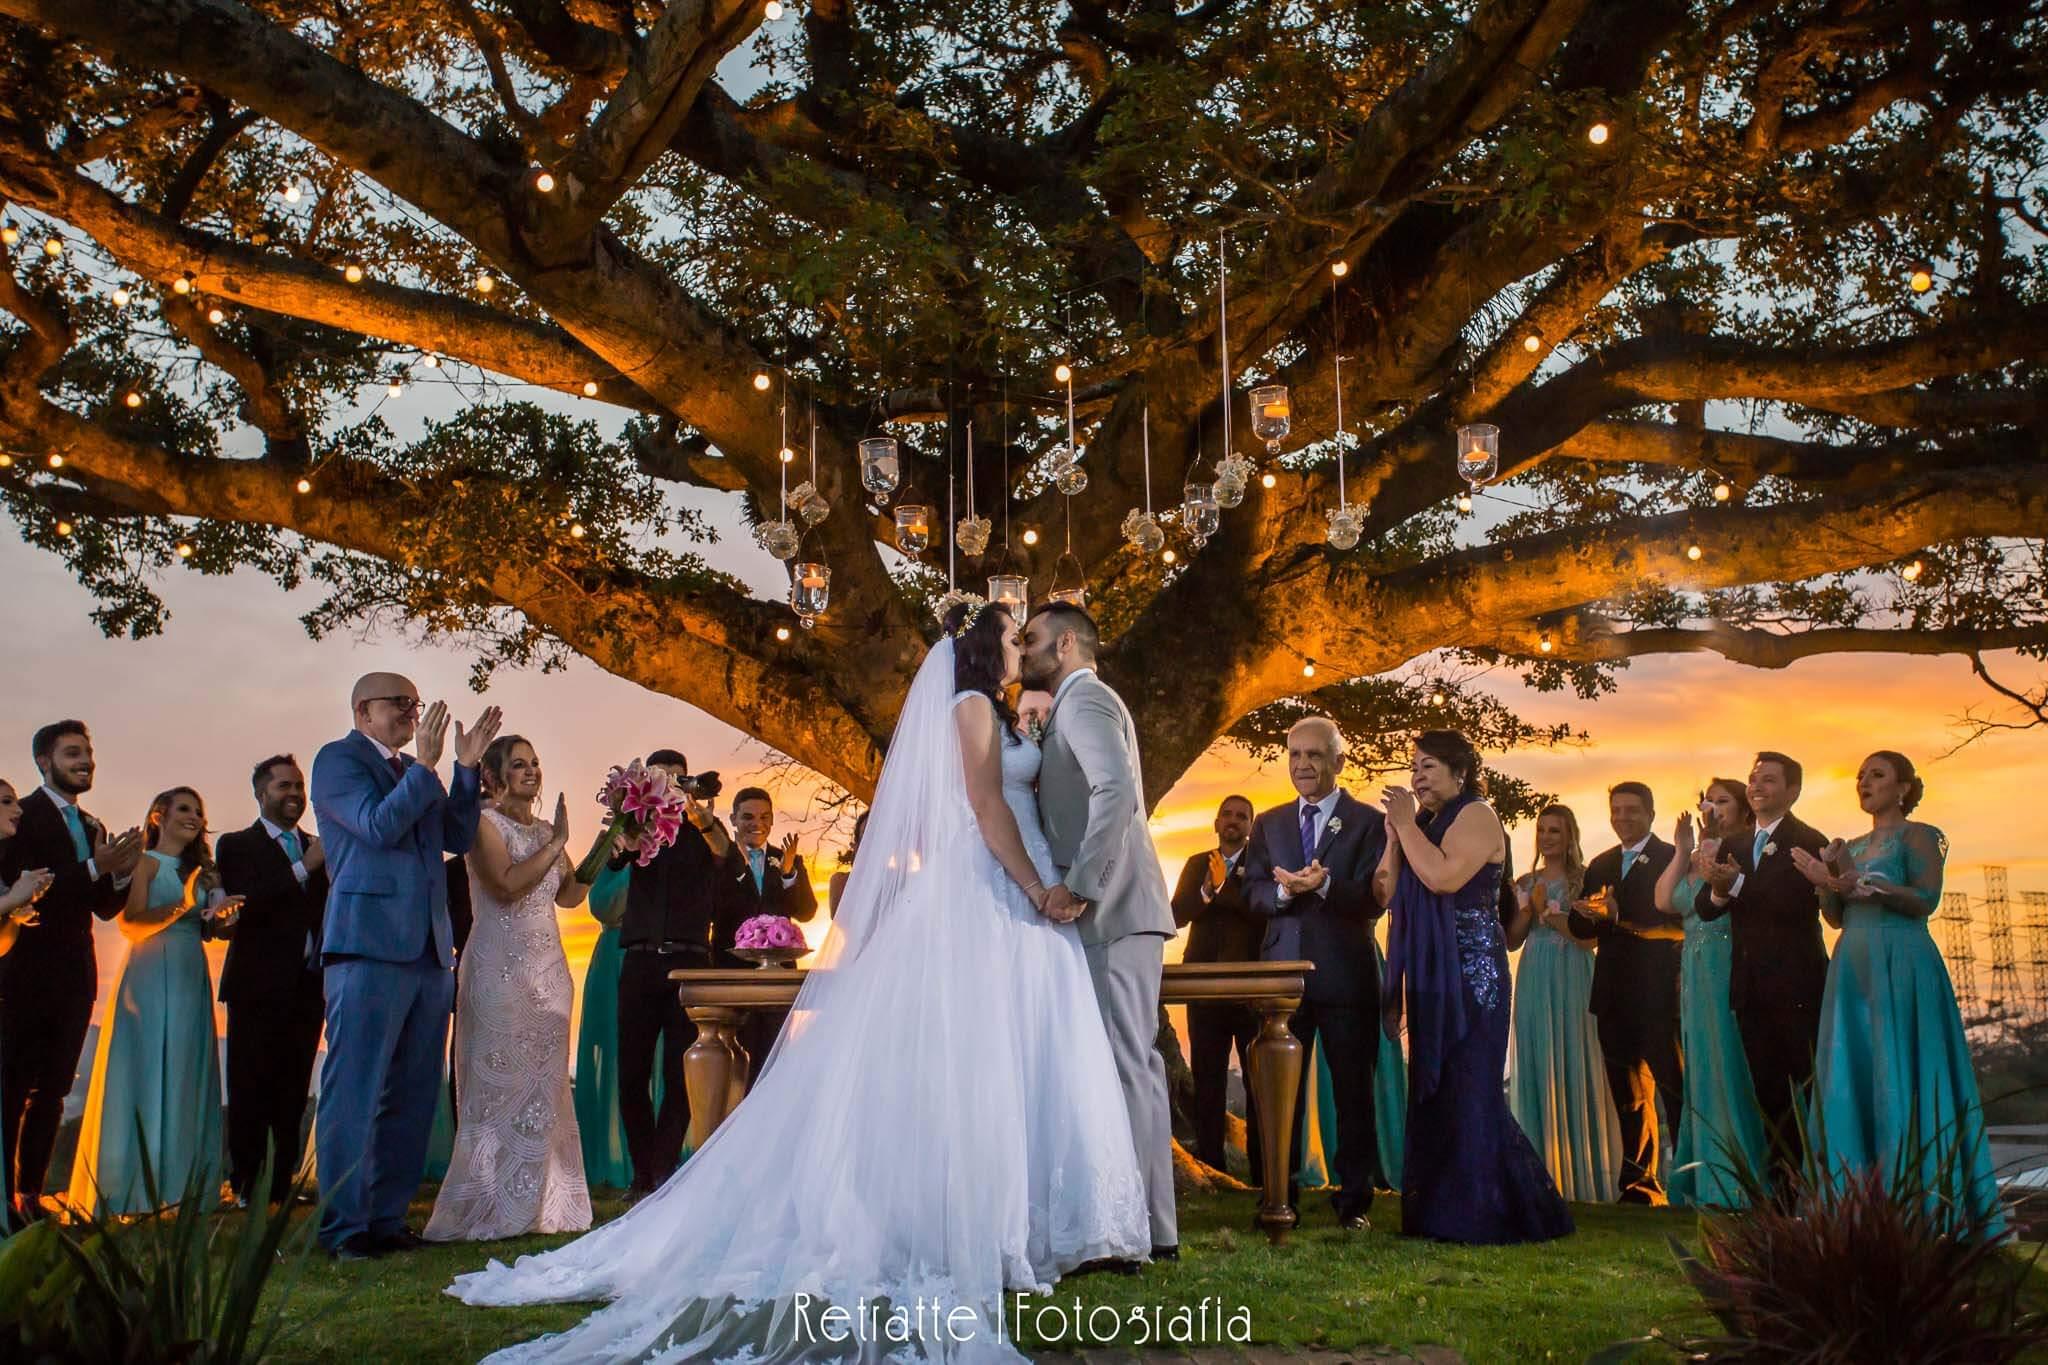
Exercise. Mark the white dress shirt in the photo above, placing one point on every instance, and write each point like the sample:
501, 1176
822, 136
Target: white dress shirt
277, 833
1768, 831
92, 864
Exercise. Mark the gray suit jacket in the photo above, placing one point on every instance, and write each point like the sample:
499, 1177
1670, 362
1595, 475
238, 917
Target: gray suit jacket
1093, 802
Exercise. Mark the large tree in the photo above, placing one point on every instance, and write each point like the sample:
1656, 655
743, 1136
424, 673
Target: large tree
1753, 291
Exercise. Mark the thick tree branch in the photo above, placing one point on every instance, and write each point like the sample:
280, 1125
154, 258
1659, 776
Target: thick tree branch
1590, 638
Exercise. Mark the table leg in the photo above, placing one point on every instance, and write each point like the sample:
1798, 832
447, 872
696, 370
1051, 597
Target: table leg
1276, 1075
712, 1073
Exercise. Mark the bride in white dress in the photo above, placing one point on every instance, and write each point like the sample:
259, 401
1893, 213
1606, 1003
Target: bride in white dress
942, 1120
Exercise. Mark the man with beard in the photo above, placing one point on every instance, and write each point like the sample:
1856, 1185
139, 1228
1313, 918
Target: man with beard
49, 981
271, 980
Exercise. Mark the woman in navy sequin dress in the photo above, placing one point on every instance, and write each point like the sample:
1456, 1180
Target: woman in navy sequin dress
1470, 1173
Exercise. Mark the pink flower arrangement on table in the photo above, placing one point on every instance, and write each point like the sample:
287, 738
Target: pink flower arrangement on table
770, 931
645, 814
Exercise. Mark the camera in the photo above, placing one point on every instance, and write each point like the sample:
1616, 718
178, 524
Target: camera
702, 786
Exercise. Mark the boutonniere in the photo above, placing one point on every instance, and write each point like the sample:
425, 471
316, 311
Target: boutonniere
1336, 824
1036, 729
1770, 848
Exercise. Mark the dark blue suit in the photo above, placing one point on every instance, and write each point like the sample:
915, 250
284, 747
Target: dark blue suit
386, 949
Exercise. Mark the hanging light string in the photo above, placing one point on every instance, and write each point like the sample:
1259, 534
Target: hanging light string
783, 452
1338, 362
952, 537
1223, 324
1006, 474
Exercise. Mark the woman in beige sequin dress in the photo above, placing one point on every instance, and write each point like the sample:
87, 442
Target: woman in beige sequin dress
518, 1161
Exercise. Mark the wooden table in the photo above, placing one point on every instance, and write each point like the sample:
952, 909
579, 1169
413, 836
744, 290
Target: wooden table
716, 1067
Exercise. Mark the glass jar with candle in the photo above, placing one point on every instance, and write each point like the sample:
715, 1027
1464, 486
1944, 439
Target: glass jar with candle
913, 528
810, 591
1272, 415
880, 467
1478, 453
1011, 592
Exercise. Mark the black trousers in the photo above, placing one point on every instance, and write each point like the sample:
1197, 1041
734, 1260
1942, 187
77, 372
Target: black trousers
1213, 1030
1779, 1042
271, 1046
42, 1033
650, 1011
1643, 1066
1350, 1039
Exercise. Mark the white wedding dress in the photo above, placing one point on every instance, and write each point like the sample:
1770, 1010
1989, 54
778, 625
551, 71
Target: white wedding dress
942, 1121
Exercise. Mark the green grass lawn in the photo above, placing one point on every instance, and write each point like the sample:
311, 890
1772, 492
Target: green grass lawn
1327, 1288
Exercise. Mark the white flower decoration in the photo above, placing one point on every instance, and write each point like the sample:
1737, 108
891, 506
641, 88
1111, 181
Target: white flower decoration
1337, 824
1770, 848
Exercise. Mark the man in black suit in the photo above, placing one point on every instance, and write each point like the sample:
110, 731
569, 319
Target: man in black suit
49, 981
1635, 983
1779, 967
671, 906
1210, 897
760, 880
271, 982
1309, 871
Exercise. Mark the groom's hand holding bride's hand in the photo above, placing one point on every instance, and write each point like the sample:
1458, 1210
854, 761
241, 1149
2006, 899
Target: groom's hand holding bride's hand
1063, 906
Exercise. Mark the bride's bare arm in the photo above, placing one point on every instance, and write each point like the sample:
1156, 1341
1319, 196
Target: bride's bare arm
981, 754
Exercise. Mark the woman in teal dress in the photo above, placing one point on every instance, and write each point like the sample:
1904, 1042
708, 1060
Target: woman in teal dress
605, 1160
1721, 1132
1558, 1087
156, 1071
1893, 1086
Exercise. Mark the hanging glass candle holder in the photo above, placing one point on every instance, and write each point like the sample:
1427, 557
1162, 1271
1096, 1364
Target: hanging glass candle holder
1272, 415
810, 591
913, 528
1071, 479
879, 465
971, 535
1199, 503
1346, 525
1069, 583
1011, 592
1478, 453
810, 504
1141, 529
779, 538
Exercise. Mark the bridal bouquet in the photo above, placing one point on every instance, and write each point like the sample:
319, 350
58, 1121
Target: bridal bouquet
646, 810
773, 932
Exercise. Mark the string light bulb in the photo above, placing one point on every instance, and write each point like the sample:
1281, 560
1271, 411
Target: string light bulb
788, 455
6, 460
53, 247
63, 528
782, 634
10, 234
590, 388
1031, 537
432, 362
184, 549
1063, 373
120, 297
576, 531
132, 399
1693, 552
353, 273
1533, 342
305, 485
183, 284
485, 282
1308, 669
291, 192
1436, 699
1170, 557
396, 388
1269, 480
56, 462
216, 316
1598, 134
1340, 268
772, 10
544, 182
1546, 644
1723, 491
1920, 278
762, 382
1464, 502
1911, 573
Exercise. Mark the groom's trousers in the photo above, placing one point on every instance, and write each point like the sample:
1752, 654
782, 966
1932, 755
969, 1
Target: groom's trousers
1126, 976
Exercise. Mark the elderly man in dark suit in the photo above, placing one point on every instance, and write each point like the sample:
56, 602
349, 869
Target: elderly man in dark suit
1635, 983
1209, 901
270, 982
1309, 872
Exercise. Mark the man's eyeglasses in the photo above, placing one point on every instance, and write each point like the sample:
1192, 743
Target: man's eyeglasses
409, 707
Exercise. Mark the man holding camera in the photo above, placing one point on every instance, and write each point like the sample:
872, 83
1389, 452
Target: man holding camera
671, 906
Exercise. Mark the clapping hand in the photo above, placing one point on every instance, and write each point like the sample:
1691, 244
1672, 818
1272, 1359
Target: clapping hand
1306, 882
225, 914
118, 857
1682, 837
471, 743
1818, 871
1400, 806
788, 859
1721, 877
561, 820
18, 902
314, 854
1218, 870
1596, 906
432, 735
1704, 857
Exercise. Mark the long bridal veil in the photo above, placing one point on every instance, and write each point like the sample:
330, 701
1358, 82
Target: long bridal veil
884, 1160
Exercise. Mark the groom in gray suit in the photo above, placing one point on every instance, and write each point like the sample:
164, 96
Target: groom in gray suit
1092, 798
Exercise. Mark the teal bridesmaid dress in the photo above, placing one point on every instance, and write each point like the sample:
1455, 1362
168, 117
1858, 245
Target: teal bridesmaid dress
605, 1160
1557, 1086
1893, 1084
1389, 1109
156, 1072
1722, 1130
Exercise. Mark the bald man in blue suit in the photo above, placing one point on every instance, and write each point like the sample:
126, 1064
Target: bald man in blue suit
386, 950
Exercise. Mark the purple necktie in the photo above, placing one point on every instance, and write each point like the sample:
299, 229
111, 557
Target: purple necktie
397, 767
1308, 834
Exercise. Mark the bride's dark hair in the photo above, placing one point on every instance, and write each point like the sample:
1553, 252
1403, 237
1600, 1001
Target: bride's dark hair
978, 656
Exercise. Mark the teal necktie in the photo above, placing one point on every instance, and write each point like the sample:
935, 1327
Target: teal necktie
1628, 860
755, 860
76, 825
1756, 850
293, 849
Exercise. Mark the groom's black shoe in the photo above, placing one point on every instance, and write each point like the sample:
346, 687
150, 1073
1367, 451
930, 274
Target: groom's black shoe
1171, 1253
1107, 1265
404, 1239
356, 1248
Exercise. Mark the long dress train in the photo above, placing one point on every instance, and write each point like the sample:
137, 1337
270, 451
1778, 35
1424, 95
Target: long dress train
156, 1071
1469, 1173
1893, 1084
941, 1120
1557, 1076
1721, 1131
